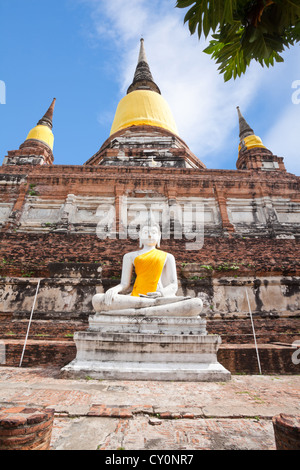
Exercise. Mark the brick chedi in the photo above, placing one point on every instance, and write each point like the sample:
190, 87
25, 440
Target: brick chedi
37, 148
70, 226
252, 152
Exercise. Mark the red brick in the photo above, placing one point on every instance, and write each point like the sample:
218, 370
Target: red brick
28, 430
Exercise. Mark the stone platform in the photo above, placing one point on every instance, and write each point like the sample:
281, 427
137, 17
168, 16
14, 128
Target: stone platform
142, 348
154, 416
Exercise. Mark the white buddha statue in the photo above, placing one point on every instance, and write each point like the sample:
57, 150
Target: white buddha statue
155, 287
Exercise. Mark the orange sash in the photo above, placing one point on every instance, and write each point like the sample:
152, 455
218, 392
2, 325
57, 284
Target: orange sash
148, 268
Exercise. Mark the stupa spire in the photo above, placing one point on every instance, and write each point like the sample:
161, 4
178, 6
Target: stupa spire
143, 79
42, 132
142, 54
245, 129
48, 116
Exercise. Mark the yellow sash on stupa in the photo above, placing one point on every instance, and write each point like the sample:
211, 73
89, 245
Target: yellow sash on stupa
148, 268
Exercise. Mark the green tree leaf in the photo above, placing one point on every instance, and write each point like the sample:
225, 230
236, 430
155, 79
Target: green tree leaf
244, 30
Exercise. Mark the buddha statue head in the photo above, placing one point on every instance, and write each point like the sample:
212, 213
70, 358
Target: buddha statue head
149, 233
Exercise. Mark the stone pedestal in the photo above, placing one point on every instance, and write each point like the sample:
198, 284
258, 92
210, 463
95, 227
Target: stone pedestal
143, 348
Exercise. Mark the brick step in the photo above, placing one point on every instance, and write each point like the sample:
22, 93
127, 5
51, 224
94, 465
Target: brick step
274, 358
267, 330
37, 353
261, 338
237, 358
237, 331
46, 330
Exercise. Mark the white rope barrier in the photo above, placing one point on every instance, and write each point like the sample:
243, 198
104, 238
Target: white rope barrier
253, 329
29, 324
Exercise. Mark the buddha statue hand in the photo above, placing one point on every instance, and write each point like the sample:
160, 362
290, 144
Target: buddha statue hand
152, 295
110, 295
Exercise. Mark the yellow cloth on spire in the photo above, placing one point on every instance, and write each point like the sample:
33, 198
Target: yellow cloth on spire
148, 268
143, 107
252, 141
42, 133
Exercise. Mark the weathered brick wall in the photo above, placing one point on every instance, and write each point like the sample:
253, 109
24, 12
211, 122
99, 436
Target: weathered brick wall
265, 257
19, 184
219, 273
34, 252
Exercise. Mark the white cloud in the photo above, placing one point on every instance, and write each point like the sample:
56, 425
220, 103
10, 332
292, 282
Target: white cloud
283, 138
118, 20
204, 107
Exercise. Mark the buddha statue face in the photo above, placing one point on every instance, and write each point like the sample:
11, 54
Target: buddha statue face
150, 235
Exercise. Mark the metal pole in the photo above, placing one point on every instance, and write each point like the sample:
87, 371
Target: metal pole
253, 333
29, 324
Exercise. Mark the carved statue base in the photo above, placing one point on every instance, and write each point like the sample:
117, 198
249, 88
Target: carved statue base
136, 347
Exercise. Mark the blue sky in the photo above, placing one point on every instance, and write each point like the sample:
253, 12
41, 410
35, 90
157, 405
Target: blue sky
84, 53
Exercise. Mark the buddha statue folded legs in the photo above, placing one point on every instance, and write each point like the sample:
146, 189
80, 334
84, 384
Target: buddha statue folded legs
162, 306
